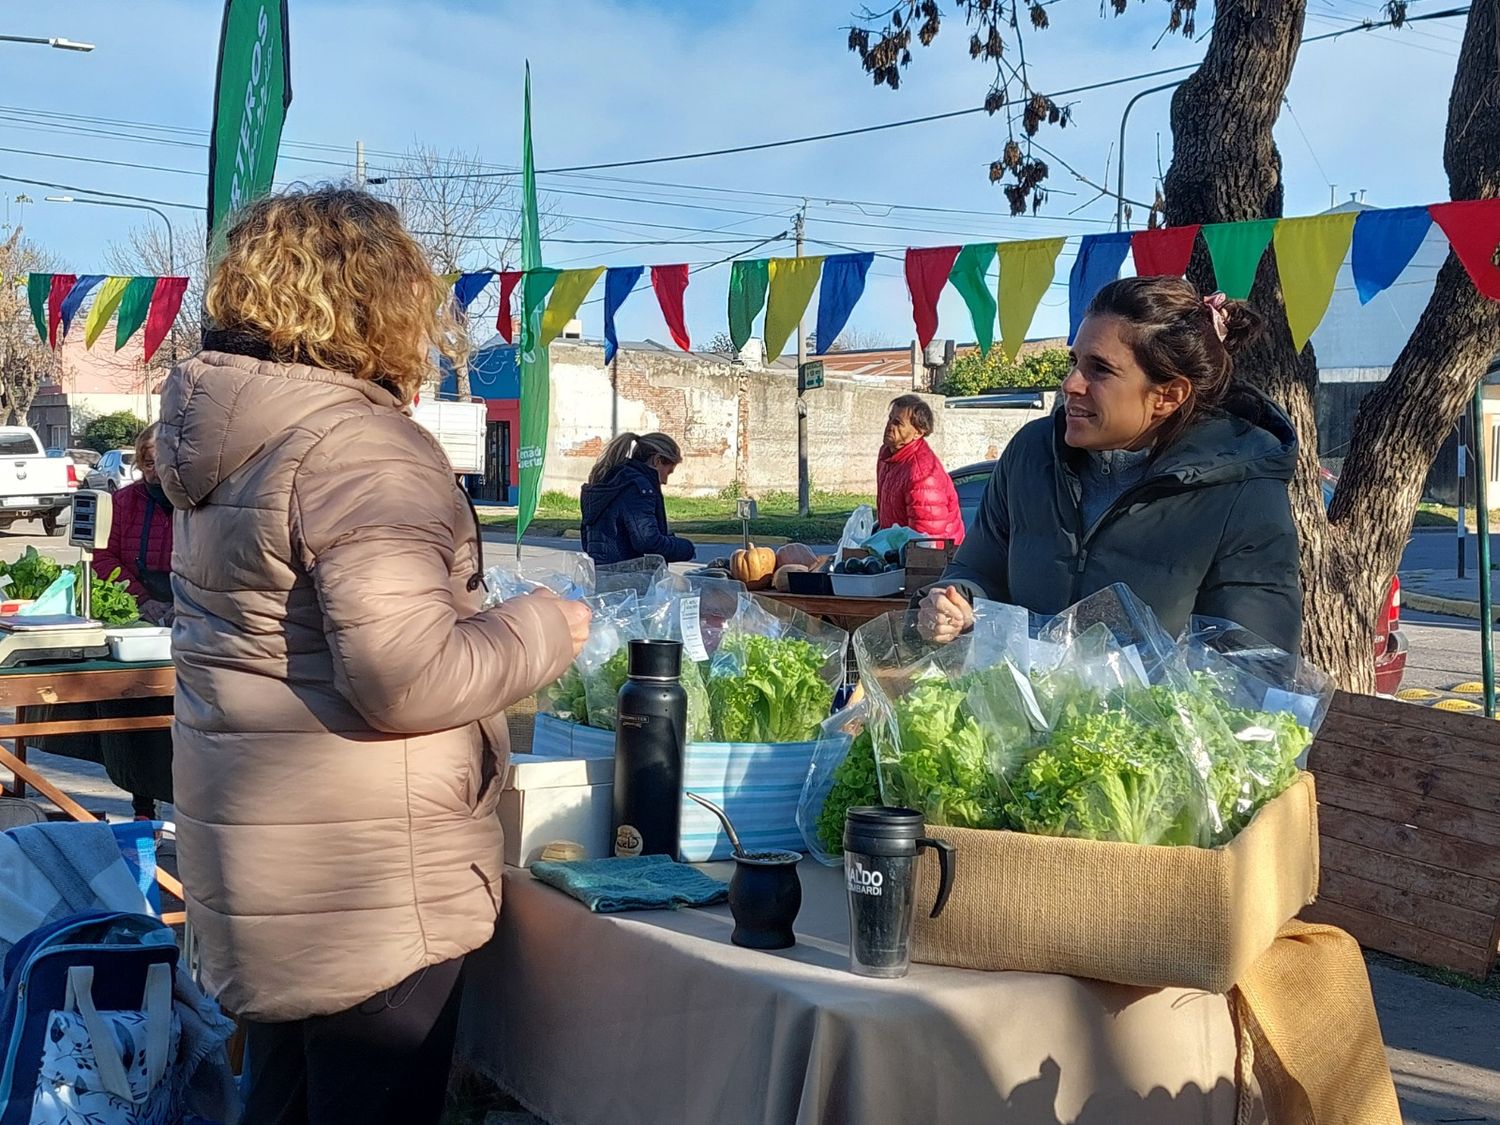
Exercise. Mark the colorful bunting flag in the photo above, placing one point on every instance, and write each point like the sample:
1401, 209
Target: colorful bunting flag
927, 271
670, 283
748, 284
61, 284
1164, 252
1026, 270
470, 285
1308, 255
568, 291
969, 276
1100, 257
166, 299
619, 283
504, 323
38, 289
1384, 244
843, 284
1473, 230
71, 303
135, 304
1236, 249
104, 308
792, 281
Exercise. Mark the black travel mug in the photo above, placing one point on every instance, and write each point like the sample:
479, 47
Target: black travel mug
880, 866
650, 733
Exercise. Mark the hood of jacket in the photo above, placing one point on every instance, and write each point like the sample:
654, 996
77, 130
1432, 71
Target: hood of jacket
632, 476
1247, 437
220, 411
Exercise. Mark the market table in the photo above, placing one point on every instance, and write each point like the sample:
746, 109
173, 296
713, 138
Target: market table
847, 613
654, 1017
92, 681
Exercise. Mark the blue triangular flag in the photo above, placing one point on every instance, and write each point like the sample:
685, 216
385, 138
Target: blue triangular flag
618, 284
1384, 243
81, 289
839, 291
1098, 263
469, 286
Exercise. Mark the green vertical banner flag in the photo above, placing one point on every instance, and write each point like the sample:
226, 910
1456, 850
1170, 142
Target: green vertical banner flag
135, 306
748, 282
531, 451
38, 289
968, 276
1236, 249
251, 96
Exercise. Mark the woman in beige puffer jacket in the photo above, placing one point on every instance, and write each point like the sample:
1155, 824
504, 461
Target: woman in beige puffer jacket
339, 743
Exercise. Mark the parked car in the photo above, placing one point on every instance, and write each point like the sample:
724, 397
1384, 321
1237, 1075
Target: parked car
114, 471
1390, 643
33, 486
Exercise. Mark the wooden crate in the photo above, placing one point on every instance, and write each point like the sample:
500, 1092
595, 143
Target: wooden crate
1409, 820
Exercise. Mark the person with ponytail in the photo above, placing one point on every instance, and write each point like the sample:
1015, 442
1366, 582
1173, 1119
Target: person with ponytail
1157, 470
624, 515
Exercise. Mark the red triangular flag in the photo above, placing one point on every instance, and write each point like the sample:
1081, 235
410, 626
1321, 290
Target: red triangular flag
1473, 230
1164, 252
926, 273
61, 284
503, 322
166, 299
670, 283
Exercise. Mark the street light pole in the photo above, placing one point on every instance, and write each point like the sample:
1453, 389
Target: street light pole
171, 242
1120, 182
44, 41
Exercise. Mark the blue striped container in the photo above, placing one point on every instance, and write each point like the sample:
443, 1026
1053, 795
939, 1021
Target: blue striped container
759, 785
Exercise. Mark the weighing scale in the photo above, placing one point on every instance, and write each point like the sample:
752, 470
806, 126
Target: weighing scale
63, 637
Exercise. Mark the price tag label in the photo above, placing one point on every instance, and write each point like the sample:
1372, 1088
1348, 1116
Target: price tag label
692, 629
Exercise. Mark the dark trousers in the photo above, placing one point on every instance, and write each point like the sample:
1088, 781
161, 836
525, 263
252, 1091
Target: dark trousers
385, 1060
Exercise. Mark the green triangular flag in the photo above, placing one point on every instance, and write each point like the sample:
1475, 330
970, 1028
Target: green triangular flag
748, 283
135, 304
1236, 249
38, 289
968, 277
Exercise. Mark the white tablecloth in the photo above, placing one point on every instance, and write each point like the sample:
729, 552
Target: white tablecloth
655, 1018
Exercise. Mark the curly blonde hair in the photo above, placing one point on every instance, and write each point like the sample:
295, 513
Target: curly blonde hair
330, 277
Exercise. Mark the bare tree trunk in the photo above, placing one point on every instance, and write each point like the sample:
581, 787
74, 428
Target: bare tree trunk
1225, 168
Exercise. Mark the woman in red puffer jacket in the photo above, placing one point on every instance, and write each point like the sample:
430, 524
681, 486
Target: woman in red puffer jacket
912, 489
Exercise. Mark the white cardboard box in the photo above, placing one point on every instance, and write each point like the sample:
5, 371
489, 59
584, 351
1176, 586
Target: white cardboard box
549, 798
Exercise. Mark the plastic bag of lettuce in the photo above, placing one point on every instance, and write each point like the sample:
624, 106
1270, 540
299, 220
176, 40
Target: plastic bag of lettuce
1094, 723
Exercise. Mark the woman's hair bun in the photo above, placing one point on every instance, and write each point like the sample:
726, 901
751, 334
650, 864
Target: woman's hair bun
1242, 325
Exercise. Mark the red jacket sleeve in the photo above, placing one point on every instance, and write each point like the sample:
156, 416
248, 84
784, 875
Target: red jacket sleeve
934, 503
123, 527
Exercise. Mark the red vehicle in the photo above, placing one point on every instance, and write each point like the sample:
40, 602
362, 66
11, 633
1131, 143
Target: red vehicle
1390, 643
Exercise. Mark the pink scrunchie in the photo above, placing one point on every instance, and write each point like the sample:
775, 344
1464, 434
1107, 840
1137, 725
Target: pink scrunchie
1215, 303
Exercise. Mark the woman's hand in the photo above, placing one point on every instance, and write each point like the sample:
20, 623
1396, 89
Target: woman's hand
577, 613
944, 615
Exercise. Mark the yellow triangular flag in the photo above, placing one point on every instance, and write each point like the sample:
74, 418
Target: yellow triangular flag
104, 308
1308, 255
1026, 270
792, 283
450, 278
568, 292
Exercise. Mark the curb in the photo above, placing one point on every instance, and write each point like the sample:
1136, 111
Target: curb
1445, 607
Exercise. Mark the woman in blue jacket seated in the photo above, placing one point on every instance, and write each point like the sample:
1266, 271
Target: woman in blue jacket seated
624, 516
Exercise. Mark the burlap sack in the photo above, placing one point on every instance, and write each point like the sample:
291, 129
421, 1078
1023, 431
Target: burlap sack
1151, 916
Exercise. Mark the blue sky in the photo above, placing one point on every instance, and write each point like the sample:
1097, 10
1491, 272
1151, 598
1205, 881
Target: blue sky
626, 79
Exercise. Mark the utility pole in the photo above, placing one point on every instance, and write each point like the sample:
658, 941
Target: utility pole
359, 163
802, 482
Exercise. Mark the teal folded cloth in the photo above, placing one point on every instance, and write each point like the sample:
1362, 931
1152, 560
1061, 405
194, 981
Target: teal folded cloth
639, 882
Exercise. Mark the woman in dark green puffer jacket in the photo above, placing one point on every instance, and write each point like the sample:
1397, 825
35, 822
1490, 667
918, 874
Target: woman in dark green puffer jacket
1155, 471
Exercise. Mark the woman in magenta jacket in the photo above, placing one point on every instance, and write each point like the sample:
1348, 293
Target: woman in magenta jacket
912, 488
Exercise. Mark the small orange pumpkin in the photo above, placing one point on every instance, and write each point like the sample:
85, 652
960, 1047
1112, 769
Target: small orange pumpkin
754, 566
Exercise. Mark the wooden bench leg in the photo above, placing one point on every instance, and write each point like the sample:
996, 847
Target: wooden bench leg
20, 786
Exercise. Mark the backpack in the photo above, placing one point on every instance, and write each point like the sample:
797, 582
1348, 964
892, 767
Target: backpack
87, 1023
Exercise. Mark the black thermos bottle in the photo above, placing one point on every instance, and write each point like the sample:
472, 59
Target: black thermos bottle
650, 733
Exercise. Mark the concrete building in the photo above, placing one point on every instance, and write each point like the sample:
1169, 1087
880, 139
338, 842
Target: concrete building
736, 421
93, 382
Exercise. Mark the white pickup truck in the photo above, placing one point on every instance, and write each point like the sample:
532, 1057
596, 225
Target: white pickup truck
33, 486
